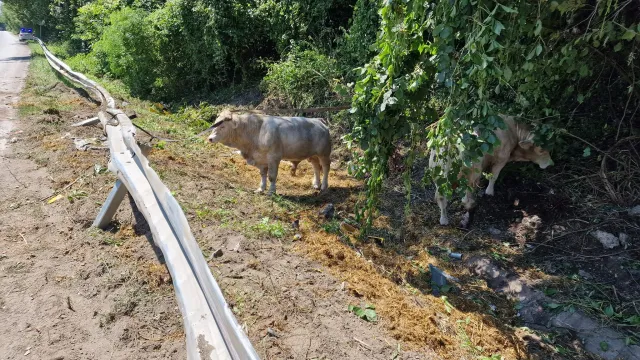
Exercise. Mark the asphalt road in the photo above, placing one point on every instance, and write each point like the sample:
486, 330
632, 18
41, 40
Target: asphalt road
14, 62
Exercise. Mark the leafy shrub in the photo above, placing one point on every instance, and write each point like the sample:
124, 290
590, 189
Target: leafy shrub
93, 18
305, 78
126, 50
85, 64
357, 45
291, 22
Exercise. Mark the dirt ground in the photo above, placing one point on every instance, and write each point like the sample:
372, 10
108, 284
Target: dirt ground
75, 292
290, 285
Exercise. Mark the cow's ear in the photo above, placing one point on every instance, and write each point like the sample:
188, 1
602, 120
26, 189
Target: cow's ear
526, 144
234, 123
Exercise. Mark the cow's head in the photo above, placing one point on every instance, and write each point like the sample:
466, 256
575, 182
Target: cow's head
222, 127
528, 151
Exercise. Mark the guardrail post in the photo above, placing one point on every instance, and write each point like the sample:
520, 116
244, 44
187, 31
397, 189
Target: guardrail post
110, 205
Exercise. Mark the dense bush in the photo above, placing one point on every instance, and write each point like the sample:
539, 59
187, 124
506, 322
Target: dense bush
357, 46
126, 50
305, 78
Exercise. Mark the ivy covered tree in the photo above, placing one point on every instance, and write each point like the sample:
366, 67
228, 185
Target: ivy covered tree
444, 70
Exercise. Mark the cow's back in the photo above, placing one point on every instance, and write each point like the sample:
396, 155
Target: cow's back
299, 137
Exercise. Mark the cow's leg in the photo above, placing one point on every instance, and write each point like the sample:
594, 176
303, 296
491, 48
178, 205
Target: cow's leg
273, 175
442, 204
263, 182
326, 165
469, 200
495, 171
315, 162
294, 167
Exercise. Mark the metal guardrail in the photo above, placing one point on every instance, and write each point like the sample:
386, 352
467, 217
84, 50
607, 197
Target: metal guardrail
211, 329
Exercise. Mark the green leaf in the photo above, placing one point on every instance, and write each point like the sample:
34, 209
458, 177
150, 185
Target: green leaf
531, 54
538, 49
584, 70
628, 35
550, 291
618, 47
498, 27
507, 73
609, 311
446, 32
538, 29
629, 341
553, 305
586, 152
633, 320
509, 10
369, 315
580, 98
604, 345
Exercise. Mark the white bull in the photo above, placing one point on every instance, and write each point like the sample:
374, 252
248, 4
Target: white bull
265, 140
516, 144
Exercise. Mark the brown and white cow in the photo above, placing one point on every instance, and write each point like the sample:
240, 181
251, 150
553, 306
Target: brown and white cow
516, 144
265, 140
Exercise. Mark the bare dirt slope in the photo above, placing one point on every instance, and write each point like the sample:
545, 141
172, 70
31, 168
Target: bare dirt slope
63, 295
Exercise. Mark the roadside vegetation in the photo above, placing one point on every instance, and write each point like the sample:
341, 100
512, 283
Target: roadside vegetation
418, 75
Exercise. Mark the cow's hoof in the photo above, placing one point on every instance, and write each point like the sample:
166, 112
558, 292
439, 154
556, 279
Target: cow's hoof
259, 191
464, 223
316, 186
444, 221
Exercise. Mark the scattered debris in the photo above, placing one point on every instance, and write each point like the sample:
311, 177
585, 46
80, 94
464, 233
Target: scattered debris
216, 254
438, 278
457, 256
608, 240
527, 229
634, 211
362, 343
624, 239
296, 224
297, 237
494, 231
558, 228
98, 169
69, 304
377, 240
272, 332
13, 140
348, 228
54, 199
584, 274
90, 121
328, 211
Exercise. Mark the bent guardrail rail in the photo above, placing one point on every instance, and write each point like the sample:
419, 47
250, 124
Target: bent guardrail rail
211, 329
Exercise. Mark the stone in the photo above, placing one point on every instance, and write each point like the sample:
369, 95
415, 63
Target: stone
608, 240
